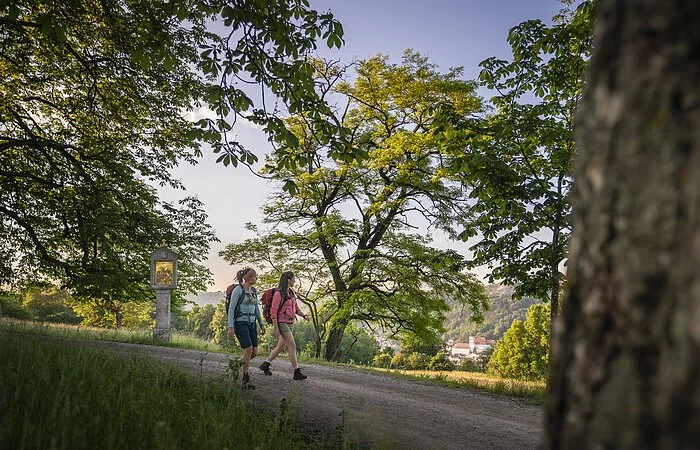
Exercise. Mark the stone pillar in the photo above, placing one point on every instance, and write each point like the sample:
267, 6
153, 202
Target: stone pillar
162, 328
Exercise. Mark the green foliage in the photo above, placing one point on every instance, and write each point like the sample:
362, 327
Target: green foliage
66, 397
348, 224
523, 353
84, 332
219, 327
382, 360
468, 365
106, 313
50, 305
358, 347
199, 321
410, 361
518, 163
440, 362
411, 345
97, 106
11, 306
398, 361
417, 361
503, 310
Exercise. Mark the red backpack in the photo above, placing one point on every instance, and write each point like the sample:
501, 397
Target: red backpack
266, 301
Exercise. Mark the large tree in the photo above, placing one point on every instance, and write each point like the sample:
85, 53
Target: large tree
626, 360
96, 101
517, 160
358, 215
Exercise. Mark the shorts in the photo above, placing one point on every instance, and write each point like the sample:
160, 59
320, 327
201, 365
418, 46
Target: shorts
247, 334
285, 328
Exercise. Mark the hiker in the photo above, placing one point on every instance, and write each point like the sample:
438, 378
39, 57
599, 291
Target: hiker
283, 311
242, 316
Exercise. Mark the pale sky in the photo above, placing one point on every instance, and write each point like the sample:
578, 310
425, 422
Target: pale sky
450, 32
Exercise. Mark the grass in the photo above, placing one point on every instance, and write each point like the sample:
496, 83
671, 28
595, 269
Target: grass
58, 396
534, 391
104, 334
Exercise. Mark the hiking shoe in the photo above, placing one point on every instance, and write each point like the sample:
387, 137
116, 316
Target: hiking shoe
298, 375
265, 367
247, 382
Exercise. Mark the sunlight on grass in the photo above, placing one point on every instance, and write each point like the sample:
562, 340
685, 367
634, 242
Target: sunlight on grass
533, 390
65, 397
144, 337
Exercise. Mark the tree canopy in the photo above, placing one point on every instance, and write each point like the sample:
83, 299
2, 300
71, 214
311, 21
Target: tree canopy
354, 219
517, 158
97, 101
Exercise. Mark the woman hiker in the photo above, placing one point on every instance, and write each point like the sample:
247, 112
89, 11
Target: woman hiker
283, 311
243, 314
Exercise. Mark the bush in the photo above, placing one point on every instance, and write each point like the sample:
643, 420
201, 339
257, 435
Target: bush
440, 362
68, 317
468, 365
417, 361
382, 360
11, 306
398, 361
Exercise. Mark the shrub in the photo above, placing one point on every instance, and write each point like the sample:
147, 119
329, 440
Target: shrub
440, 362
468, 365
398, 361
382, 360
417, 361
11, 306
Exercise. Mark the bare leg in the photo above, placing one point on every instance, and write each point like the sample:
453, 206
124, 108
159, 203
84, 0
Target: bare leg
245, 359
276, 351
292, 349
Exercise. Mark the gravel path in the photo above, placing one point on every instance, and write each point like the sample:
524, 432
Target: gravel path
375, 410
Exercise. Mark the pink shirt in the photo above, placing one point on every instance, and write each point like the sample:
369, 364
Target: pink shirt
289, 308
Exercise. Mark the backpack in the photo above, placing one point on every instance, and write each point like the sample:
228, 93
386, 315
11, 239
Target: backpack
266, 301
229, 291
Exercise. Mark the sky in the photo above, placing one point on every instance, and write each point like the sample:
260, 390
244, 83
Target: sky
452, 33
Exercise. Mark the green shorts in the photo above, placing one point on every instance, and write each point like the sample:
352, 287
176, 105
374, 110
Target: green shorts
285, 328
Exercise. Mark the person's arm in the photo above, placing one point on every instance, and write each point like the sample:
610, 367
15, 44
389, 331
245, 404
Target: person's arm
298, 311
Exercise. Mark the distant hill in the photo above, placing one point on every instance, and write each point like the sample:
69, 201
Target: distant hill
497, 320
205, 298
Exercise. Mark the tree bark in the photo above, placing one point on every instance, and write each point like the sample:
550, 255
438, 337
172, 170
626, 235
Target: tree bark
554, 294
335, 338
626, 354
119, 316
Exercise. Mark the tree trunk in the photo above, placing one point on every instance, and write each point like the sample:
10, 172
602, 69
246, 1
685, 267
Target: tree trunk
335, 337
318, 345
554, 296
626, 355
119, 316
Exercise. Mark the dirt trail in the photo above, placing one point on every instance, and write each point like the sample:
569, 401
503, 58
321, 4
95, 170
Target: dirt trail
375, 410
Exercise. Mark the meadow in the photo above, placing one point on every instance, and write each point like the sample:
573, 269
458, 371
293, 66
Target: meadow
532, 390
60, 396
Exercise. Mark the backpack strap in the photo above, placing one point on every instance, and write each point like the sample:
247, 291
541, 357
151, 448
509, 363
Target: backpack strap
238, 304
253, 293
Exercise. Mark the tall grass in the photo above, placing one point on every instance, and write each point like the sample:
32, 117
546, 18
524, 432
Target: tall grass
535, 391
104, 334
58, 396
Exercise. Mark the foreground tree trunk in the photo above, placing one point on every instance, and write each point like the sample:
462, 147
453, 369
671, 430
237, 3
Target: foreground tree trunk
626, 358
